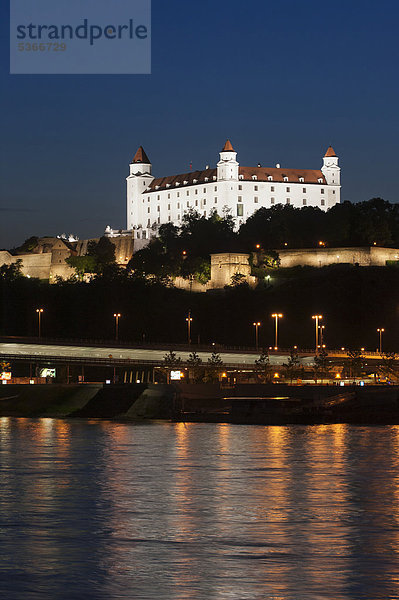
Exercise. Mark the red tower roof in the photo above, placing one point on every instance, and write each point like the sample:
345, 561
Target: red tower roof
141, 157
330, 152
228, 147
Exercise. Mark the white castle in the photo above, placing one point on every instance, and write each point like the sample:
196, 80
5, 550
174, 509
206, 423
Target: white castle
229, 188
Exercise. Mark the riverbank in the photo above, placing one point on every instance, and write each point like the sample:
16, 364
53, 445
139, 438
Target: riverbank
267, 404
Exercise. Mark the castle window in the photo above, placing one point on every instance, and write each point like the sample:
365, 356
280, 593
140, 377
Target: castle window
158, 197
270, 178
254, 178
240, 187
216, 188
204, 213
148, 199
272, 200
255, 188
241, 177
157, 187
144, 232
188, 193
288, 190
158, 208
323, 202
214, 178
169, 218
149, 210
206, 178
333, 191
168, 196
177, 183
239, 198
256, 199
240, 210
196, 192
285, 178
322, 191
178, 217
168, 206
196, 203
204, 201
304, 201
215, 200
168, 185
320, 180
185, 182
304, 190
272, 189
204, 190
188, 204
178, 194
195, 180
288, 201
149, 223
178, 205
159, 220
301, 180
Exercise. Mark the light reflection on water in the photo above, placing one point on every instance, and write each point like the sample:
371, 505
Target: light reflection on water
101, 510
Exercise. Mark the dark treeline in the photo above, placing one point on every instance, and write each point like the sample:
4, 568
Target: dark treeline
366, 223
354, 301
185, 250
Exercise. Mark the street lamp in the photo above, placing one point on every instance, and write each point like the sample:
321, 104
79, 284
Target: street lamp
257, 325
321, 329
380, 331
40, 311
317, 318
189, 321
117, 317
276, 316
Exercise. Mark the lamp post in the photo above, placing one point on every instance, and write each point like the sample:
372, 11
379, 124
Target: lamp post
189, 321
40, 311
276, 316
257, 325
117, 317
380, 331
317, 318
321, 329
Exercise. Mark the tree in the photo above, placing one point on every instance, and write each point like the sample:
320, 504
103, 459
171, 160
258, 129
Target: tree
356, 362
292, 367
322, 365
196, 371
262, 367
102, 251
194, 360
215, 360
82, 264
389, 366
171, 360
28, 245
11, 272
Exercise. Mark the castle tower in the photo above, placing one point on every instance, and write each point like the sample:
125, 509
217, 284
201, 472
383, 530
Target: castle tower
138, 181
330, 168
228, 165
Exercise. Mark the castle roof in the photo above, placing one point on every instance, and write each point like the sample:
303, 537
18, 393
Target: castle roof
245, 173
228, 147
330, 152
141, 157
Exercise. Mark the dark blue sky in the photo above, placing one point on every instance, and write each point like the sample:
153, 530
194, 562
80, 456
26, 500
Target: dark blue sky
283, 80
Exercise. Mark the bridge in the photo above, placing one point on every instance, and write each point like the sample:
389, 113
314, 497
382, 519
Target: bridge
114, 354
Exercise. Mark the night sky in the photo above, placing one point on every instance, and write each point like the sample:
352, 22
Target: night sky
282, 80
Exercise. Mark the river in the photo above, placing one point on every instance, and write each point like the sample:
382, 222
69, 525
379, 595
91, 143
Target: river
103, 510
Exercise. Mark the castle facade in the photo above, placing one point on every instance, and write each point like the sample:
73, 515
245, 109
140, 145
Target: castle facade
227, 189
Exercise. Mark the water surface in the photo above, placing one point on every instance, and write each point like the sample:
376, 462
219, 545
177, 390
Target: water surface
101, 510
